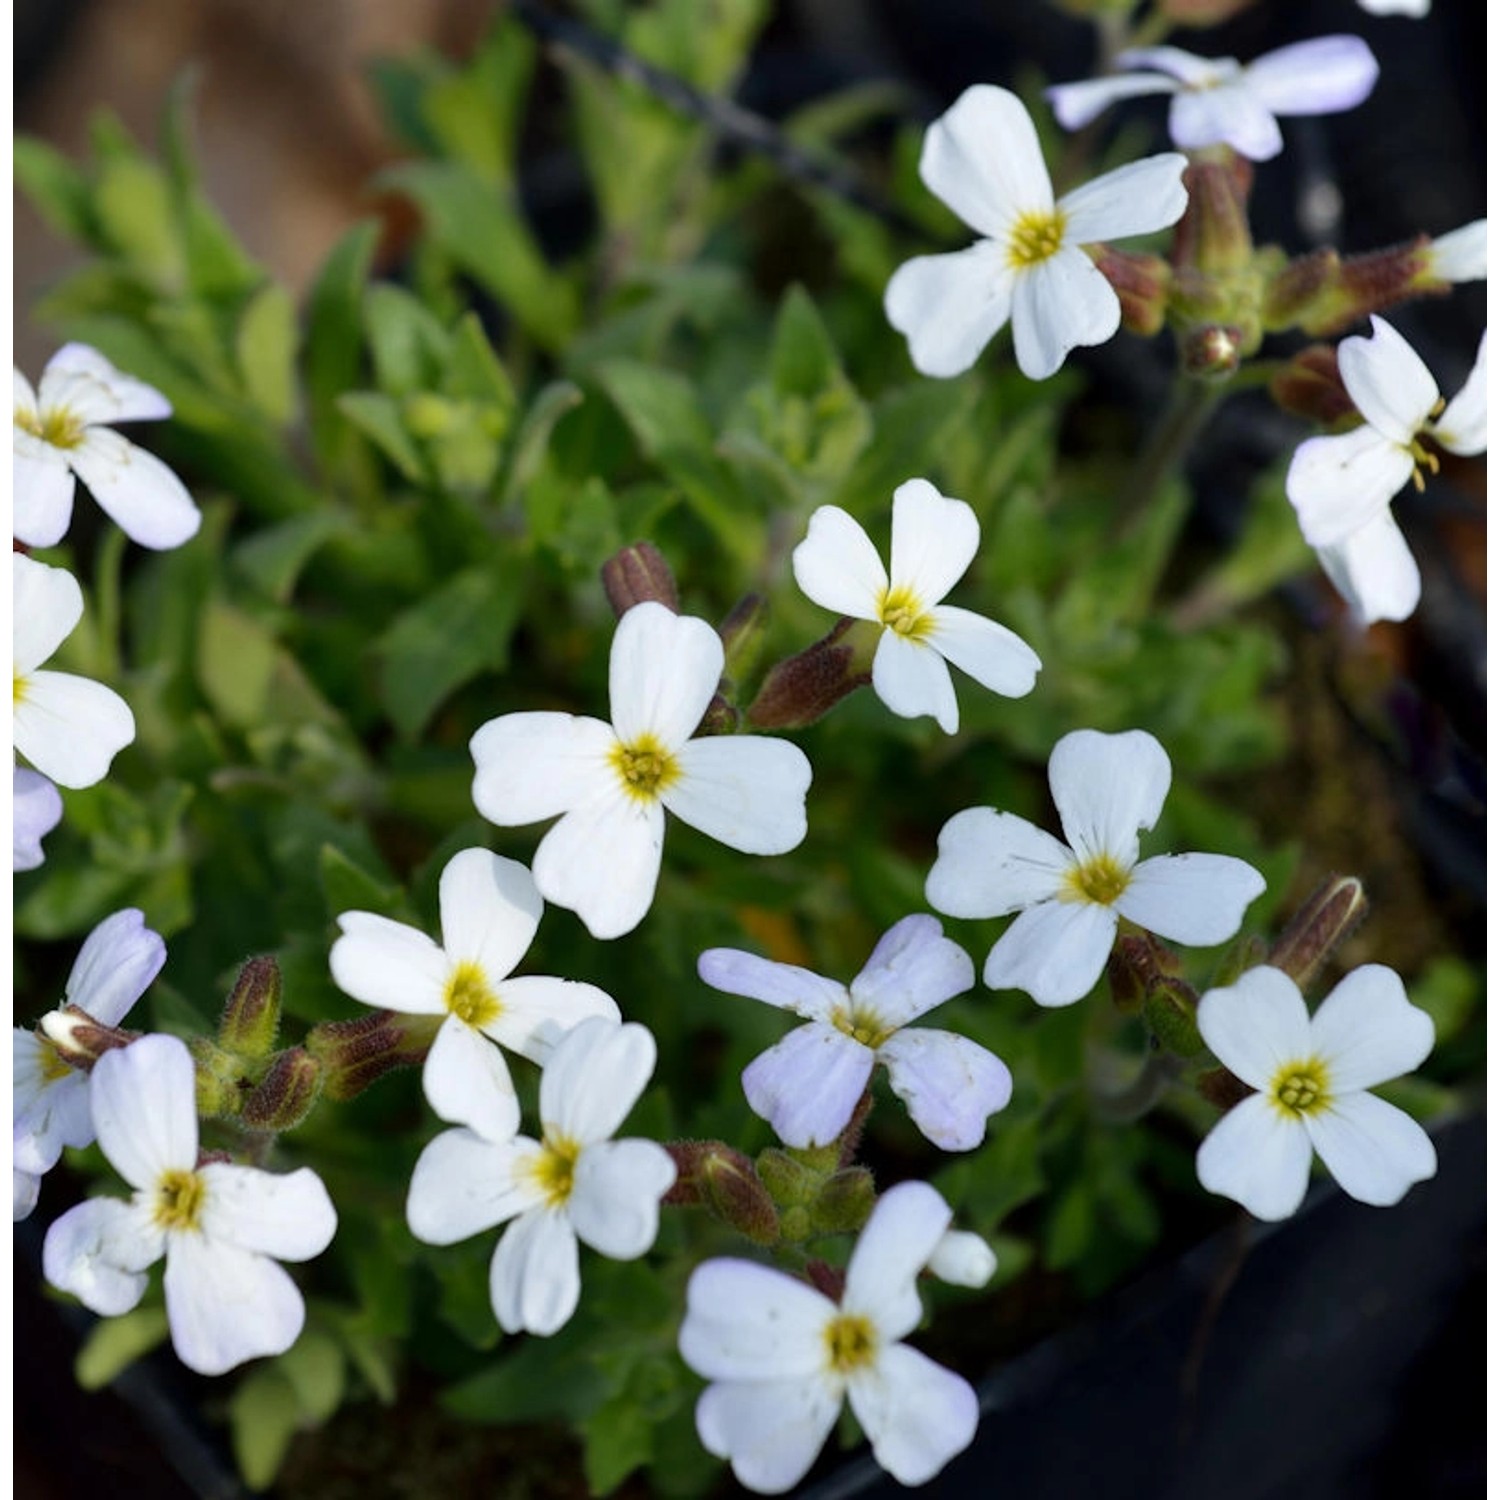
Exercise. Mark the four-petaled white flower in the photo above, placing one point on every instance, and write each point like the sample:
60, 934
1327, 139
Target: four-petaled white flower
613, 783
1342, 487
781, 1356
60, 432
68, 727
36, 809
574, 1184
809, 1083
933, 540
1108, 788
1216, 100
114, 967
983, 160
1310, 1079
490, 909
222, 1227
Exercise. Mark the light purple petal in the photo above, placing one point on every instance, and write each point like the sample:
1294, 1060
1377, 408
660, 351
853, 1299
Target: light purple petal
1387, 381
534, 1282
1338, 485
950, 306
490, 911
115, 966
1108, 787
285, 1214
1367, 1031
950, 1085
770, 1431
912, 680
594, 1077
532, 766
1374, 571
226, 1305
748, 1322
1075, 104
992, 655
78, 1255
991, 863
1055, 952
25, 1187
836, 565
467, 1082
1256, 1025
1197, 899
933, 540
463, 1184
1138, 198
1231, 114
36, 809
808, 1084
913, 968
663, 669
145, 1110
1181, 66
388, 964
1258, 1155
916, 1414
1061, 303
747, 791
617, 1191
904, 1228
1374, 1152
783, 985
138, 492
1317, 77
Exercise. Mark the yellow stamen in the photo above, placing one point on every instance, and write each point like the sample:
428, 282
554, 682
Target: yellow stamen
646, 767
52, 1063
1101, 879
468, 995
1036, 237
862, 1024
851, 1342
1301, 1088
900, 610
179, 1199
552, 1168
18, 689
57, 426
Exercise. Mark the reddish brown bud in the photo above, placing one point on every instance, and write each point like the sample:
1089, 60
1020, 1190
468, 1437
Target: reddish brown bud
1325, 919
1141, 283
801, 689
1309, 385
286, 1095
1136, 965
827, 1279
79, 1039
354, 1054
1222, 1089
720, 717
1323, 295
724, 1180
252, 1014
1213, 235
636, 574
844, 1203
1212, 352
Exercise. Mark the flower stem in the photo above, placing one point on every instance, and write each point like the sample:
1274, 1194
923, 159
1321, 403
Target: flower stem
1162, 458
1159, 1072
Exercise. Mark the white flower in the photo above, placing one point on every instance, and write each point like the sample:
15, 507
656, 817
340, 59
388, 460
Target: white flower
1216, 100
1462, 254
490, 910
219, 1225
574, 1184
68, 727
60, 432
983, 160
933, 540
781, 1356
36, 809
1107, 787
1342, 487
1310, 1079
50, 1098
613, 783
809, 1083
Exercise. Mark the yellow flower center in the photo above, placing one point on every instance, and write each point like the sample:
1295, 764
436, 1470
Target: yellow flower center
57, 426
1301, 1088
900, 610
468, 995
18, 689
179, 1199
1101, 879
851, 1342
1036, 237
862, 1024
552, 1168
1422, 457
646, 767
52, 1063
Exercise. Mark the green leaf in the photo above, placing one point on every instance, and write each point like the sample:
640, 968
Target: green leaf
335, 335
552, 403
273, 559
803, 359
58, 190
235, 662
266, 351
264, 1415
379, 417
135, 212
475, 113
314, 1367
616, 1441
114, 1343
409, 345
474, 370
348, 887
908, 428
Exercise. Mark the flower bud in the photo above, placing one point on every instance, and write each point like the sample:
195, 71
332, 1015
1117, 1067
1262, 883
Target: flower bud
787, 1180
1141, 282
1309, 385
796, 1225
353, 1054
1323, 294
963, 1259
79, 1039
252, 1014
1212, 351
844, 1202
741, 632
1135, 966
219, 1079
635, 575
428, 415
1325, 919
1171, 1014
724, 1180
286, 1095
720, 717
1222, 1089
1213, 235
801, 689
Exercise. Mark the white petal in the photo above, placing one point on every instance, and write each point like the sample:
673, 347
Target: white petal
285, 1214
950, 306
808, 1084
1462, 254
1374, 1152
76, 1255
916, 1414
1197, 899
913, 968
42, 487
1374, 571
534, 1281
143, 497
1075, 104
226, 1305
1182, 66
836, 565
467, 1082
1395, 7
771, 1431
912, 680
490, 911
70, 728
617, 1191
983, 159
747, 791
116, 964
663, 669
92, 389
933, 540
1367, 1031
1259, 1156
748, 1322
1339, 484
783, 985
950, 1085
904, 1228
463, 1184
1387, 382
1463, 426
25, 1186
1232, 114
537, 1012
990, 654
388, 964
46, 604
49, 1113
1060, 303
145, 1111
1108, 787
25, 396
963, 1259
1138, 198
594, 1077
1256, 1025
36, 809
1317, 77
991, 863
1055, 951
602, 860
532, 766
